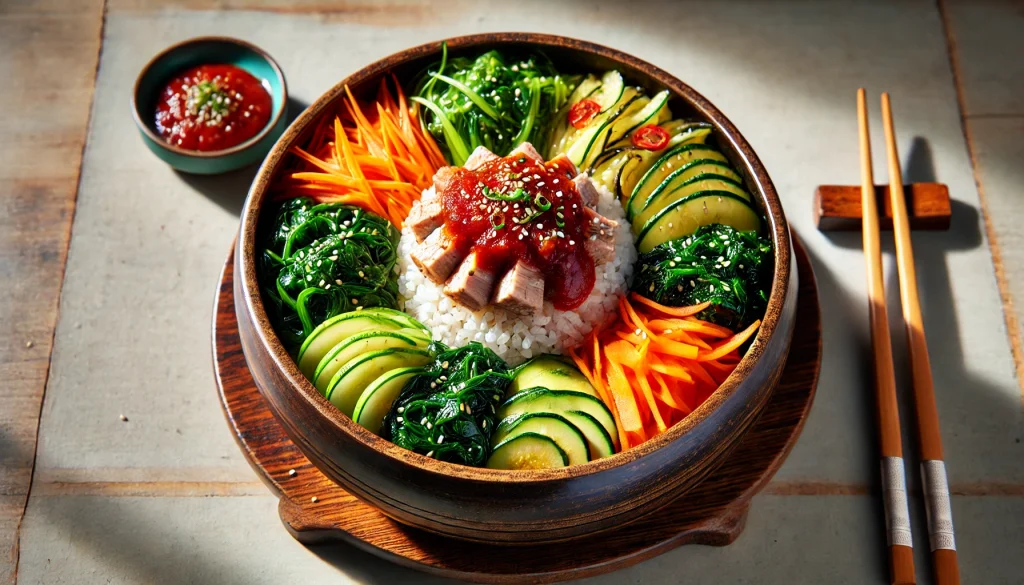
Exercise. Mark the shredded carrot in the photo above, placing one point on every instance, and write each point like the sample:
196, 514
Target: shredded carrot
656, 364
378, 158
731, 344
674, 311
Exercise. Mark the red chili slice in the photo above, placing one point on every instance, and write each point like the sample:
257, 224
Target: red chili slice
650, 137
582, 112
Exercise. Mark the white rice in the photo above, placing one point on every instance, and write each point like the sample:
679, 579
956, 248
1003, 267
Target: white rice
517, 338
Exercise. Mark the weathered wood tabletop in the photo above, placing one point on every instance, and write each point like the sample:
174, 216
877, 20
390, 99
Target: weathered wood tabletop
116, 465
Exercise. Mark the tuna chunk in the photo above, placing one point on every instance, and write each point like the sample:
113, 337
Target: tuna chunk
526, 149
600, 234
425, 216
587, 190
563, 162
436, 256
442, 177
471, 285
478, 158
521, 290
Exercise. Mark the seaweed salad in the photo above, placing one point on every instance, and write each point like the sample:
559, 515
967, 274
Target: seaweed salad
323, 260
496, 100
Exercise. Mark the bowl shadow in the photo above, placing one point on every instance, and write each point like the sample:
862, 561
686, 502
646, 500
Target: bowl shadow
229, 190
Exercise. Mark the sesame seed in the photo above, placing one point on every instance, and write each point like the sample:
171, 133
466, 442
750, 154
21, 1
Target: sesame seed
401, 409
430, 453
400, 420
314, 499
292, 472
440, 439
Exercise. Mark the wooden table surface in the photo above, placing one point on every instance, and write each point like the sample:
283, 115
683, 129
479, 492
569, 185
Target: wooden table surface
108, 261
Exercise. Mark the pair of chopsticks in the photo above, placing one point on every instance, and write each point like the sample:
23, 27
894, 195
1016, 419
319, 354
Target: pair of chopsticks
933, 470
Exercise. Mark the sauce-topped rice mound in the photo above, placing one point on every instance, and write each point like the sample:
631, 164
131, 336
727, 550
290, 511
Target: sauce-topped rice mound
513, 336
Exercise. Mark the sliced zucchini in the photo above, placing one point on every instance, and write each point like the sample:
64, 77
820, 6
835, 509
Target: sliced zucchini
349, 383
584, 90
359, 344
599, 442
661, 199
336, 329
654, 111
559, 402
591, 140
551, 372
611, 90
375, 402
681, 218
605, 169
561, 131
695, 168
550, 425
527, 451
670, 160
638, 162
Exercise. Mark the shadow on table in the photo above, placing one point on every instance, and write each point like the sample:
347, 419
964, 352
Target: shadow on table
946, 350
229, 190
364, 567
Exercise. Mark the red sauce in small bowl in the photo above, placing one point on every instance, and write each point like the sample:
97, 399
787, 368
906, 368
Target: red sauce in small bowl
212, 107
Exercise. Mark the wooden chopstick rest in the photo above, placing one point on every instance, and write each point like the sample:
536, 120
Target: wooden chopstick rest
838, 207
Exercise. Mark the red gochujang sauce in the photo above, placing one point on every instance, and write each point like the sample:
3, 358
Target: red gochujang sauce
212, 107
516, 208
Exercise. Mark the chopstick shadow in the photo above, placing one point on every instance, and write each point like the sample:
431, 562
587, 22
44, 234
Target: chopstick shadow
946, 348
229, 190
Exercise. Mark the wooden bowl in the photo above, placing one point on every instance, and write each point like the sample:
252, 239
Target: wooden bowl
517, 507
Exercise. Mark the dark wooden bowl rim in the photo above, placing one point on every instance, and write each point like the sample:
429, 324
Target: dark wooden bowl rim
750, 164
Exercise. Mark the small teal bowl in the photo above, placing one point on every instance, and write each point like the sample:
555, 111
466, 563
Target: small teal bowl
207, 51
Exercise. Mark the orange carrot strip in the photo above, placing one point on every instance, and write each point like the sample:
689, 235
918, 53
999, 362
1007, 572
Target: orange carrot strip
674, 311
622, 393
675, 348
731, 344
641, 377
669, 326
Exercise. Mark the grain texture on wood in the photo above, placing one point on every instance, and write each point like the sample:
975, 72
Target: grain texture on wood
838, 207
48, 68
713, 513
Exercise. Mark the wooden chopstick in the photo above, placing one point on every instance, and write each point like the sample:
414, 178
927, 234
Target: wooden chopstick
933, 469
894, 482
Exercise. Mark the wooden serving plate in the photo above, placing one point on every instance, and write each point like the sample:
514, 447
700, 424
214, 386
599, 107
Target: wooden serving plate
315, 510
